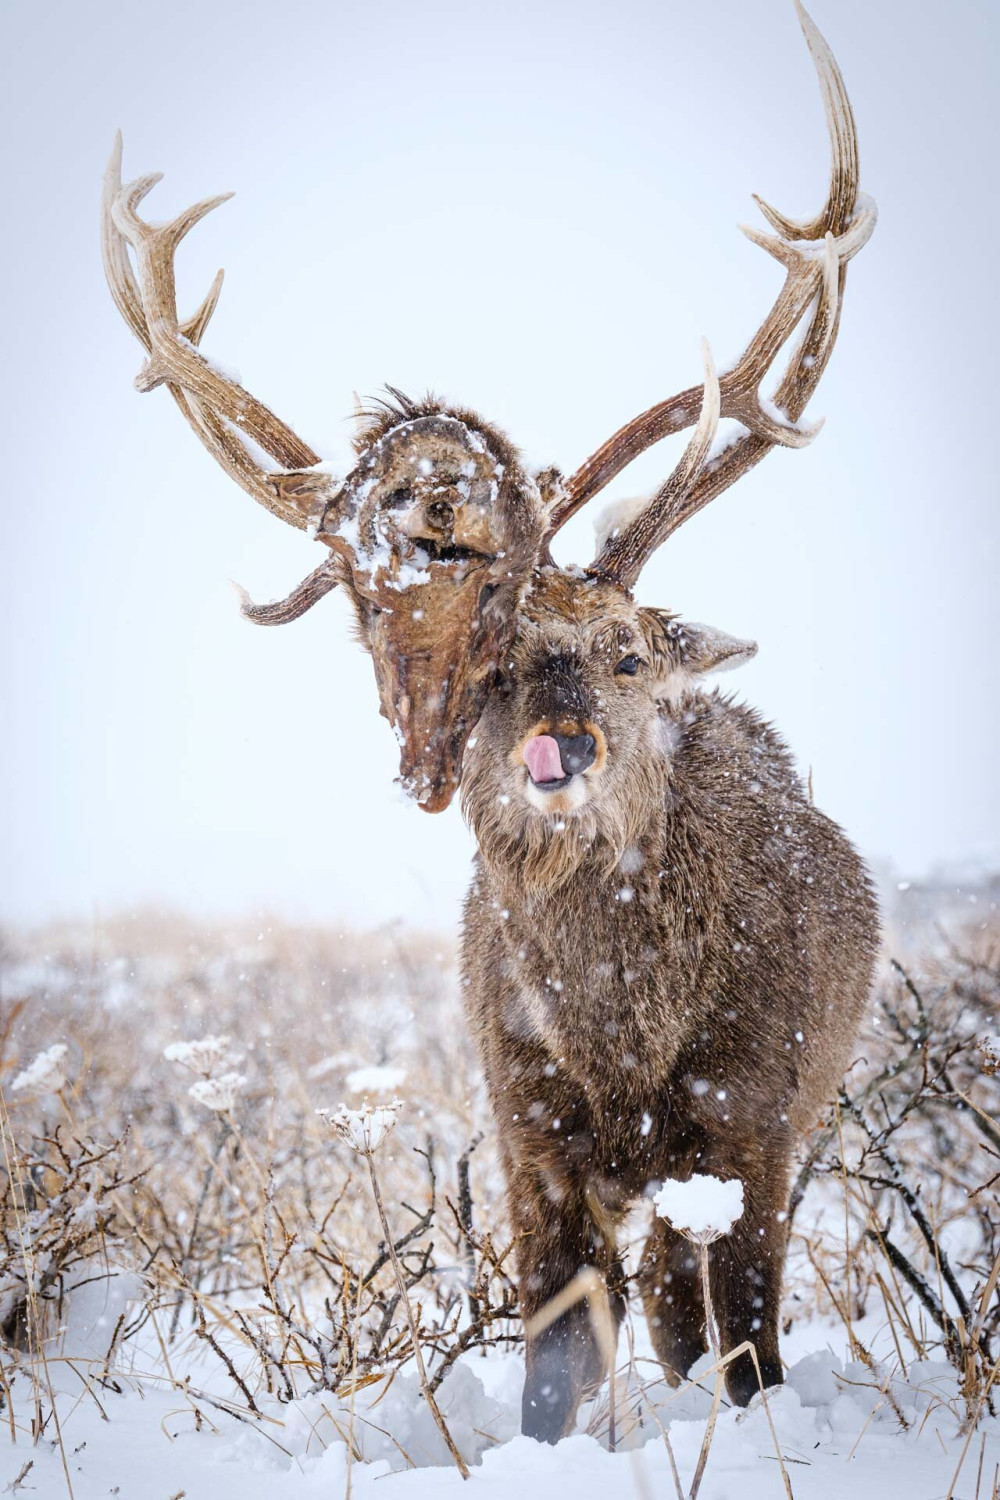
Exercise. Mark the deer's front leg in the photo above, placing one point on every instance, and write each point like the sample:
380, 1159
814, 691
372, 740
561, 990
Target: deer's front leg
563, 1227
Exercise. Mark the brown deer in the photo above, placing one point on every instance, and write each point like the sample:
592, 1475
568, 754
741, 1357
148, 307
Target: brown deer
666, 946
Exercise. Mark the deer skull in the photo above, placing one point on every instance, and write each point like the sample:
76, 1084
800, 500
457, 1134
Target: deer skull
436, 532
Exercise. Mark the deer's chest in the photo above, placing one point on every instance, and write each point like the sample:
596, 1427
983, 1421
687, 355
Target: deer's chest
606, 989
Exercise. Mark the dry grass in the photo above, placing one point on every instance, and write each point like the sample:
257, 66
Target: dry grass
248, 1234
251, 1229
904, 1173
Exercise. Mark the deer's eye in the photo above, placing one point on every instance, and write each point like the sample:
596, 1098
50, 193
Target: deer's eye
628, 666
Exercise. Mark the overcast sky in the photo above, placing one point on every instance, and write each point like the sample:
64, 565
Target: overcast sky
532, 209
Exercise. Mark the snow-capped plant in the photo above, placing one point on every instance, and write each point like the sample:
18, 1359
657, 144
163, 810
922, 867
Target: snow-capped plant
703, 1208
46, 1074
218, 1093
364, 1129
989, 1051
208, 1058
213, 1059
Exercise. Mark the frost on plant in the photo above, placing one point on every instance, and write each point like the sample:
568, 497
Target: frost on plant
218, 1093
219, 1085
207, 1058
989, 1051
46, 1074
363, 1129
704, 1208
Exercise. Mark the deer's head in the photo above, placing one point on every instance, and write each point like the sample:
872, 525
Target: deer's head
441, 537
576, 738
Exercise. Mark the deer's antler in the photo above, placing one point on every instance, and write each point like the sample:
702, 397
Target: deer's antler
319, 583
815, 255
220, 411
433, 534
437, 530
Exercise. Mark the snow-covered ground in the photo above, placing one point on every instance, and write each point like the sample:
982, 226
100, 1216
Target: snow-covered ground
844, 1430
196, 1252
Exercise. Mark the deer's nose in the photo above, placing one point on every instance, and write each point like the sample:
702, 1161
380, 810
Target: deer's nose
576, 751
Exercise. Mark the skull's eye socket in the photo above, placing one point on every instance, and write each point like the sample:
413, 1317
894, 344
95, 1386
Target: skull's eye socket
628, 666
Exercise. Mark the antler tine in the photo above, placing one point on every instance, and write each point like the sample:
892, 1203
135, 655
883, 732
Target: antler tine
189, 217
844, 169
174, 359
194, 329
218, 409
117, 266
748, 449
626, 551
309, 592
130, 195
813, 273
135, 228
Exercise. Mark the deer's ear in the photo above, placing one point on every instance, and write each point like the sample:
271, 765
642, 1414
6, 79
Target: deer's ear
681, 651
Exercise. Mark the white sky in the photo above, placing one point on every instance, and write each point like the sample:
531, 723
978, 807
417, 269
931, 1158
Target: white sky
533, 210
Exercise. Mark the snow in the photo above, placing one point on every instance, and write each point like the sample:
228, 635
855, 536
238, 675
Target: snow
615, 516
989, 1048
205, 1057
147, 1409
371, 1080
704, 1207
45, 1075
219, 1093
411, 574
219, 1085
254, 451
779, 416
839, 1424
335, 1062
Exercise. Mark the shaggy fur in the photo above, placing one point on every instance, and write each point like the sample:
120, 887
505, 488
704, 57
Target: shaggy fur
664, 964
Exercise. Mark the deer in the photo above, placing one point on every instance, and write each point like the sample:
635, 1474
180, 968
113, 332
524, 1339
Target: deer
666, 947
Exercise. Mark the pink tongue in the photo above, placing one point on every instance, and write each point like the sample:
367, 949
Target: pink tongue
541, 756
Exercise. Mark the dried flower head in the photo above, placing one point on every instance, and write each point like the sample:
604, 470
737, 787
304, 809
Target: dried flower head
218, 1093
989, 1052
364, 1129
206, 1058
46, 1074
703, 1209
